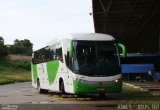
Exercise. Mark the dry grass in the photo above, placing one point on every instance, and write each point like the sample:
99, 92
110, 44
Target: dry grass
12, 75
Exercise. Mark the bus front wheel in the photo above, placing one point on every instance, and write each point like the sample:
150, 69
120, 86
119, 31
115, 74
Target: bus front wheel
62, 90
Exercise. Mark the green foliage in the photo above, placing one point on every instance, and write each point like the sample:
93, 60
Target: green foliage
25, 65
21, 64
1, 40
21, 47
3, 49
24, 47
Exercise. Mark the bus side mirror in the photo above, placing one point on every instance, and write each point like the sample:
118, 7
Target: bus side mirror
123, 50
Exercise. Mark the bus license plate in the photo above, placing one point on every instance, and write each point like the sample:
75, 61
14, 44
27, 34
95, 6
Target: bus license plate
100, 89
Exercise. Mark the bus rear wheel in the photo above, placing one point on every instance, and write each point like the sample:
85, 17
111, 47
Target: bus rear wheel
41, 91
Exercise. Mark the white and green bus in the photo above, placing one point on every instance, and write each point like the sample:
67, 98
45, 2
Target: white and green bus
78, 64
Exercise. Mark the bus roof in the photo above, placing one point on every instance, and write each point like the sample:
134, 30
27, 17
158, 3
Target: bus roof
82, 36
89, 36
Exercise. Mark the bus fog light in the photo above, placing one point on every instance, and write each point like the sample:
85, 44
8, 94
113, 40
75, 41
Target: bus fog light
77, 87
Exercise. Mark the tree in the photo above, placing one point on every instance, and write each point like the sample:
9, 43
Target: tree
3, 49
1, 40
21, 47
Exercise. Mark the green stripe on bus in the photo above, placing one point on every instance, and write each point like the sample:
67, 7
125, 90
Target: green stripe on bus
82, 88
34, 67
52, 68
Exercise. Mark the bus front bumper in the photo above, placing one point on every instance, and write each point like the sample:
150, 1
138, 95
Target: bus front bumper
83, 88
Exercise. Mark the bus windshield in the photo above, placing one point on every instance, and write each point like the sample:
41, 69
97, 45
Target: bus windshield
96, 58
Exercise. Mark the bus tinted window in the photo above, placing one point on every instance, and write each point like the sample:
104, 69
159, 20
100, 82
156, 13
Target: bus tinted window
47, 54
96, 58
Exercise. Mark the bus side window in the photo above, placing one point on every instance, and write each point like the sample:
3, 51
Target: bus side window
59, 54
43, 58
33, 58
69, 61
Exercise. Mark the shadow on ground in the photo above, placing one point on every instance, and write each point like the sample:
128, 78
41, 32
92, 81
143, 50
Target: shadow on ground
124, 96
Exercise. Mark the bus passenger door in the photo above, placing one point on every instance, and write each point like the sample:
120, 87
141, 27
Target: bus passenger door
69, 63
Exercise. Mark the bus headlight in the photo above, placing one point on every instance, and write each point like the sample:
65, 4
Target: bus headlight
117, 80
80, 80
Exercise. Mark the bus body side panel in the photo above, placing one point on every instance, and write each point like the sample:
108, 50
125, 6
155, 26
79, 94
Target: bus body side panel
34, 75
56, 75
71, 77
49, 74
43, 75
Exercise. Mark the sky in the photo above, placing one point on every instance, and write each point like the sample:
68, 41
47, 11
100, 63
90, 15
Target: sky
41, 21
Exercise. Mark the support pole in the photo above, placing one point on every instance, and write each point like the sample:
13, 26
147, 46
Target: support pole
159, 37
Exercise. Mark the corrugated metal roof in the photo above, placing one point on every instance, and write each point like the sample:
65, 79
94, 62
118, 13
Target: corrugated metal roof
135, 23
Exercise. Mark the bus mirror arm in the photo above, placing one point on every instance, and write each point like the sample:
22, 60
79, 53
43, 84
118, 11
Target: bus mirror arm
123, 48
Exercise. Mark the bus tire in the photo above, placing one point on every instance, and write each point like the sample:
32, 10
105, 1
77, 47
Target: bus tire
62, 90
41, 91
102, 95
